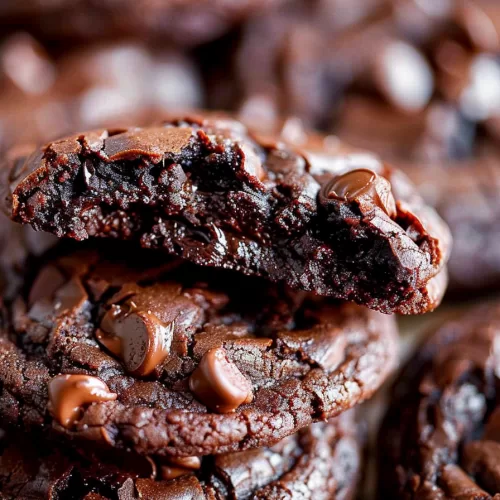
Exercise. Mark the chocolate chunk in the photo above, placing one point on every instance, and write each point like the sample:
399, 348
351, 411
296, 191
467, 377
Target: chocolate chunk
152, 142
219, 384
71, 295
48, 281
138, 338
363, 186
177, 467
248, 362
53, 294
210, 191
68, 394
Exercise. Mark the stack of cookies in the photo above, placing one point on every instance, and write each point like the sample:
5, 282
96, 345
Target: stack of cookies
218, 303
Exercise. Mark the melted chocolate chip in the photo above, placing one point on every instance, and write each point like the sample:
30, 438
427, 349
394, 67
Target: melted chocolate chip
48, 281
138, 338
191, 463
219, 384
52, 294
70, 296
353, 184
363, 186
69, 393
177, 467
153, 142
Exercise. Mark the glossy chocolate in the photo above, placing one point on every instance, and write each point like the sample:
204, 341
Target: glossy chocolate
138, 338
69, 394
362, 186
177, 467
219, 384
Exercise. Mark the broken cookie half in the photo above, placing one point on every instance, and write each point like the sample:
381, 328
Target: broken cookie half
316, 216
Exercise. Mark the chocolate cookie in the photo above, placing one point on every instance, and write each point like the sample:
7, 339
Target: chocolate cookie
206, 189
440, 437
320, 461
173, 359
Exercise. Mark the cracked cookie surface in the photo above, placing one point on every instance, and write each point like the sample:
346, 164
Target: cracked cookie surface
210, 191
175, 359
440, 437
322, 460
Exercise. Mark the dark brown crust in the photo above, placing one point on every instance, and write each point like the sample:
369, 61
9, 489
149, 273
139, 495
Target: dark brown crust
211, 192
307, 360
440, 436
323, 459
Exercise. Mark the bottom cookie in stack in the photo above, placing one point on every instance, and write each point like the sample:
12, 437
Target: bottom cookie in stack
441, 436
320, 461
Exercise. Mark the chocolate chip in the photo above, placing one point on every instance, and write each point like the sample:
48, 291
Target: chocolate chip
137, 337
363, 186
177, 467
188, 487
352, 184
153, 142
48, 281
192, 463
70, 296
52, 294
69, 393
218, 383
